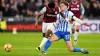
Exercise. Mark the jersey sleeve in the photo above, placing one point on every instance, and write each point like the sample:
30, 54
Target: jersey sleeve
70, 14
43, 10
78, 20
75, 18
82, 10
57, 21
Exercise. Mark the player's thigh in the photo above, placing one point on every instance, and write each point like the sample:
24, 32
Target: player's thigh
55, 36
68, 42
44, 27
51, 27
70, 27
66, 37
77, 25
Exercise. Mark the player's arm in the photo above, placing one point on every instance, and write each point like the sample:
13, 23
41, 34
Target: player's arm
38, 16
82, 11
58, 20
78, 20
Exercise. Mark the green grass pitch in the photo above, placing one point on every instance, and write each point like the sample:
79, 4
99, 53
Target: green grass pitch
24, 44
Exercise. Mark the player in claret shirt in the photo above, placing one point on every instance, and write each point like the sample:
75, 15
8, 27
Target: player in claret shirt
50, 16
77, 9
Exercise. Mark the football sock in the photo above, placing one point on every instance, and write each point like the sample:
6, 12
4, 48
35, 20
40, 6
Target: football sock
75, 35
48, 43
43, 42
77, 50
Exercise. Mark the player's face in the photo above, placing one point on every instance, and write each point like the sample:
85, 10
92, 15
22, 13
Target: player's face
52, 9
74, 0
63, 7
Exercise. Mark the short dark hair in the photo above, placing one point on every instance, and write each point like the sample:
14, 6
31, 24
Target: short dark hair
65, 3
51, 4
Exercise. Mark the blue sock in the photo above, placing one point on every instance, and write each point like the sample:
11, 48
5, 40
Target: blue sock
48, 43
77, 50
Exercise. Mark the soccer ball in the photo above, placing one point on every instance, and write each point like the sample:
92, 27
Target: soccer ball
7, 47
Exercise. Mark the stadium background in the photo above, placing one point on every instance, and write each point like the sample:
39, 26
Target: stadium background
20, 14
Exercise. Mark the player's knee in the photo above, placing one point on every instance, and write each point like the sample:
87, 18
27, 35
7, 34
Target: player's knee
71, 50
73, 30
77, 30
49, 31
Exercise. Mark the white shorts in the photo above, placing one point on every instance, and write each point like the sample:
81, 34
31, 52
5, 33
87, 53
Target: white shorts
70, 27
46, 26
77, 23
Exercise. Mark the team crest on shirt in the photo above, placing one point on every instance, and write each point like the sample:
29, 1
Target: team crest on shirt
71, 6
77, 5
56, 12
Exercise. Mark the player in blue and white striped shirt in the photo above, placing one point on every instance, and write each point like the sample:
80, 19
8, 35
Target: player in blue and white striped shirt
63, 28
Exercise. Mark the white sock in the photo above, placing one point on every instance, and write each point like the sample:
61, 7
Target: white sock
76, 35
44, 40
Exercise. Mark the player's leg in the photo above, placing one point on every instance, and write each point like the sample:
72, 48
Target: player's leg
54, 37
77, 26
73, 30
70, 48
44, 40
50, 30
48, 33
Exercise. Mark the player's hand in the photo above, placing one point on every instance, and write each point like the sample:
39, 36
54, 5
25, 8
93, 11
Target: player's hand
86, 24
81, 17
62, 14
36, 24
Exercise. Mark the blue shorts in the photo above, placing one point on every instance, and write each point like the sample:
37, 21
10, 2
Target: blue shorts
64, 35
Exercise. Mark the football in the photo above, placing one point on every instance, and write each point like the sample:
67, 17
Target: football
7, 47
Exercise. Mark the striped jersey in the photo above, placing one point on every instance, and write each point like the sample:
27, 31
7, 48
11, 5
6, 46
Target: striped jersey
62, 24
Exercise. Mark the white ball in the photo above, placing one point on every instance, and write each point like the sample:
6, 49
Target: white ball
7, 47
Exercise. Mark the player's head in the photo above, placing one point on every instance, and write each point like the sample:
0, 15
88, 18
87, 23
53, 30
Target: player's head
51, 4
74, 1
63, 5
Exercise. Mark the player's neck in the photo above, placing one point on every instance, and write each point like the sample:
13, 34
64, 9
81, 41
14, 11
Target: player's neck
74, 2
64, 11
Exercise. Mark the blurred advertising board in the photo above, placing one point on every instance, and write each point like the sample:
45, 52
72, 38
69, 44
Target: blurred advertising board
94, 27
27, 24
23, 24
